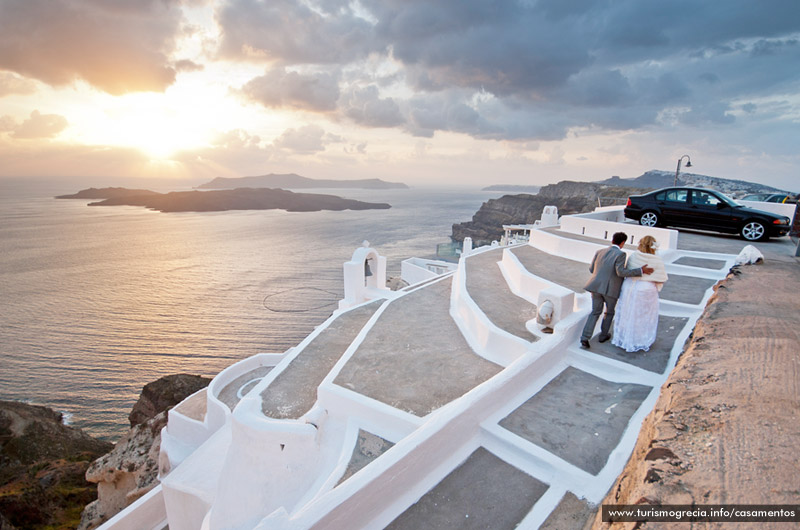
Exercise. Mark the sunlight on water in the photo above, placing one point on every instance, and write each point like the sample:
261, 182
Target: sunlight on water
98, 301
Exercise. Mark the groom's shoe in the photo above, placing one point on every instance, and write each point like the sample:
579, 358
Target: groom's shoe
603, 338
585, 344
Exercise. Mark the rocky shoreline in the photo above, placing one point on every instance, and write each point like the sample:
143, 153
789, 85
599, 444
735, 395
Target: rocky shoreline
56, 476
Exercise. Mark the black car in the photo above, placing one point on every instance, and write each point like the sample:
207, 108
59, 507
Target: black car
704, 209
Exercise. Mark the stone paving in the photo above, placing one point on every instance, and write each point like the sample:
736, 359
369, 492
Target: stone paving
414, 358
487, 287
294, 391
368, 447
578, 417
483, 492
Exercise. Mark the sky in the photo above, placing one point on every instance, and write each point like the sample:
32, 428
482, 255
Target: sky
445, 92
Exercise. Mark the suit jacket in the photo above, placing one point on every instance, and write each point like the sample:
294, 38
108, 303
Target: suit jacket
608, 270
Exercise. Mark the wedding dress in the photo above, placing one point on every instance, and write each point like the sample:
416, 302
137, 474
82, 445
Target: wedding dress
636, 318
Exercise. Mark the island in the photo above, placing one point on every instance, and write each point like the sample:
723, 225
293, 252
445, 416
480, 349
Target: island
223, 200
293, 181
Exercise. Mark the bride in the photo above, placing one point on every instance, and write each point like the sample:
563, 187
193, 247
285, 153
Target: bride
636, 320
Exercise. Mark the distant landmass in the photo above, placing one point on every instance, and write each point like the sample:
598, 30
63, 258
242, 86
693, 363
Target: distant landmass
293, 181
106, 193
655, 179
223, 200
512, 187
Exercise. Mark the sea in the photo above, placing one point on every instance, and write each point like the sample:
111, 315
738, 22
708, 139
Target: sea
96, 302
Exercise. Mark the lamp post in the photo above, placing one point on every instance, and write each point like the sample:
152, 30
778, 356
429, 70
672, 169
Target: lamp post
688, 164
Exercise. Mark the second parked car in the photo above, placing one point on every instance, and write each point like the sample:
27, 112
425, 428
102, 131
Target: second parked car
704, 209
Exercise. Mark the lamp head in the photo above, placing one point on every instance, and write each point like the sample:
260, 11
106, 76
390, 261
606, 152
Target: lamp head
688, 163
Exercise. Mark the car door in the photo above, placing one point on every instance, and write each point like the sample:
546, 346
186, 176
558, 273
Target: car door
673, 205
707, 211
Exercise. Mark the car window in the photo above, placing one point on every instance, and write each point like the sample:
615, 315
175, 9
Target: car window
703, 198
676, 196
776, 198
660, 196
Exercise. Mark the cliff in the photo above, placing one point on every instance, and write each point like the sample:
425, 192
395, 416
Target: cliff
293, 181
131, 469
569, 197
42, 467
224, 200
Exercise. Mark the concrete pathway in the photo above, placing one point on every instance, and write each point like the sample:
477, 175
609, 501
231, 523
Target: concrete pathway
294, 391
487, 287
414, 358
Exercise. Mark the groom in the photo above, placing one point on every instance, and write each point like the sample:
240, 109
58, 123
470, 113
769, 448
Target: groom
608, 270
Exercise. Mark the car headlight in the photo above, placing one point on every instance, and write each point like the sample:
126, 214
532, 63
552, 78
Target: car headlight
784, 221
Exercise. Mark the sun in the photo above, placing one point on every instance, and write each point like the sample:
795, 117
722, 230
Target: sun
156, 128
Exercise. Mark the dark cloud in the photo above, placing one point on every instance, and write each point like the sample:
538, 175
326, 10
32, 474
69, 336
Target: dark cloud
366, 107
115, 46
289, 31
40, 126
548, 65
279, 88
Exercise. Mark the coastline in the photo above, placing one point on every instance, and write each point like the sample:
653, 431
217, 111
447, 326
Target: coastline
724, 428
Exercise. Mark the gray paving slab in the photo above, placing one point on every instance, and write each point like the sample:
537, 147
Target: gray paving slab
781, 248
571, 513
685, 289
703, 263
484, 492
487, 287
368, 447
294, 391
245, 382
578, 417
414, 358
654, 360
565, 272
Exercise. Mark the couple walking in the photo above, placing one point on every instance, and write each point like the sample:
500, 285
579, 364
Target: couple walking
637, 320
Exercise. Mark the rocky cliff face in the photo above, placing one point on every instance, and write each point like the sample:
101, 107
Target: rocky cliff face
569, 197
131, 469
42, 467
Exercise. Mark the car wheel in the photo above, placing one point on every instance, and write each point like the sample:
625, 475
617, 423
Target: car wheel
753, 231
649, 218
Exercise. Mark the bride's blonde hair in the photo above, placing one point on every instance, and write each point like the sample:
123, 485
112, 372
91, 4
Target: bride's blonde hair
647, 245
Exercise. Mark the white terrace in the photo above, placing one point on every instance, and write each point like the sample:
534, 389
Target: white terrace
443, 405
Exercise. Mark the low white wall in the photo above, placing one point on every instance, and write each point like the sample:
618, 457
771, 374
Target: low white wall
416, 270
483, 336
771, 207
566, 248
604, 222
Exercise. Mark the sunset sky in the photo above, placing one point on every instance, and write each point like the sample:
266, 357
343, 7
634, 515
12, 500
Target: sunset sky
454, 92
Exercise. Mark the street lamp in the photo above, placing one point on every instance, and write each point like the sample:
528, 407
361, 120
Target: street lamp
688, 164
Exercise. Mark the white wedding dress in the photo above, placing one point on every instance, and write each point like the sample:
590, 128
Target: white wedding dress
636, 318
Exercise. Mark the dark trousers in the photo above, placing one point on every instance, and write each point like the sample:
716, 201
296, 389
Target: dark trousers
598, 300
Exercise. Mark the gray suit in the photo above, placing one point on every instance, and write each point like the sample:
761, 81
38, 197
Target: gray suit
608, 270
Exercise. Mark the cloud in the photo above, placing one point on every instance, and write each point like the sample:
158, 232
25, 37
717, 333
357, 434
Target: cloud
13, 84
279, 88
290, 31
305, 140
549, 65
38, 126
116, 47
366, 107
